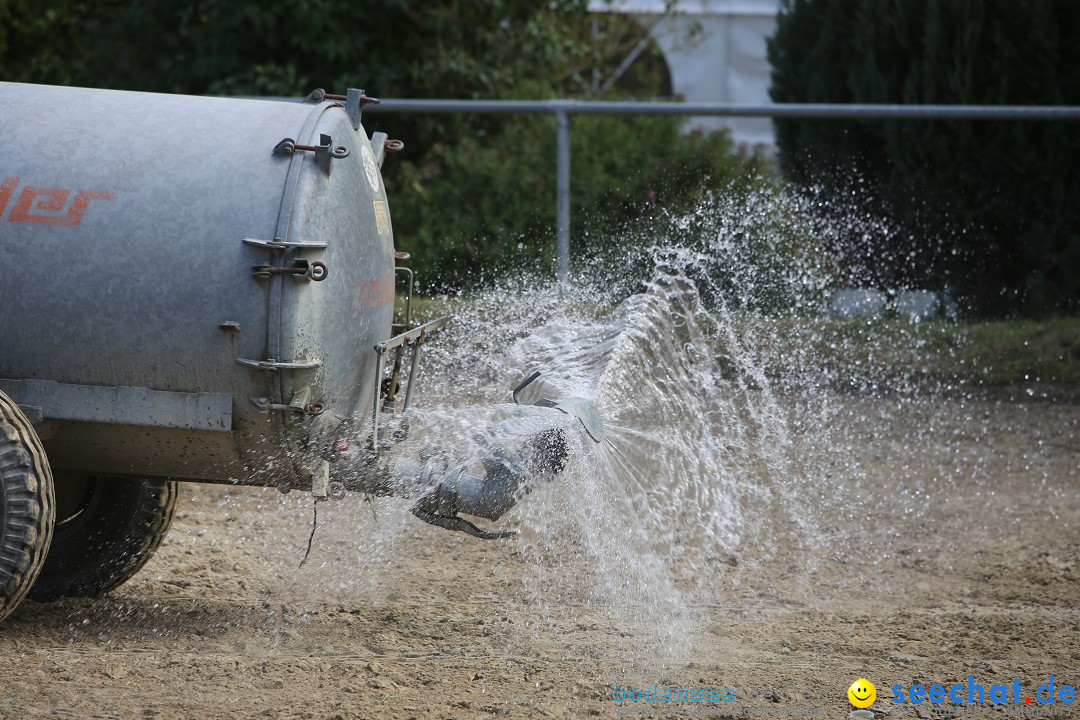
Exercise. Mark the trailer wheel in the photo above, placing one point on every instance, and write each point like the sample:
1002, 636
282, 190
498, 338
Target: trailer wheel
26, 505
106, 530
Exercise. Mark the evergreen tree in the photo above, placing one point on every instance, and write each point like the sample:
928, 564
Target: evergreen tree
992, 209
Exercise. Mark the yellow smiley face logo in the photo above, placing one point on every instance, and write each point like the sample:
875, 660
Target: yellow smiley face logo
862, 693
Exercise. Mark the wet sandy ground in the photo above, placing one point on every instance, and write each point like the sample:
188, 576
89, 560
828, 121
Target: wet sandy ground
952, 548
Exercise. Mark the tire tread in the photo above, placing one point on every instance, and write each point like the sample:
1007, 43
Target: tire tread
27, 514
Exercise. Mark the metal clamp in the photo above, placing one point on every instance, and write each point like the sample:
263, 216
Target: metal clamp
279, 245
355, 101
325, 151
272, 365
302, 270
264, 405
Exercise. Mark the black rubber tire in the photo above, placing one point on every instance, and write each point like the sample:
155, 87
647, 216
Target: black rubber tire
26, 505
106, 530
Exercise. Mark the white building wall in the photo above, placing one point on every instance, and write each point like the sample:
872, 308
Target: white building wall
726, 60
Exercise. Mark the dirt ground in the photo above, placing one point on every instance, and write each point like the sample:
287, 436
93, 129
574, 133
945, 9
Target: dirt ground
952, 550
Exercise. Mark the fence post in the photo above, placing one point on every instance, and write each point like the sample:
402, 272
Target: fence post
562, 197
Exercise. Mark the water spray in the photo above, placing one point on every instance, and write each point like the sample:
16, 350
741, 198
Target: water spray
445, 489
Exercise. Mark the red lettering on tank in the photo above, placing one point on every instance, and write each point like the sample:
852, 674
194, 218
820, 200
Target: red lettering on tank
50, 200
43, 206
6, 188
375, 293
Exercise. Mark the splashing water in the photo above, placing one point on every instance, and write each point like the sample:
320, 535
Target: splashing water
658, 513
731, 444
733, 450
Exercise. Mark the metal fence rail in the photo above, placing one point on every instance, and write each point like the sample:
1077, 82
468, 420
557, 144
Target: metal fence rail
564, 109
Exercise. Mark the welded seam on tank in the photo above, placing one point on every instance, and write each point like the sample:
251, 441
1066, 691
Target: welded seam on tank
288, 199
275, 312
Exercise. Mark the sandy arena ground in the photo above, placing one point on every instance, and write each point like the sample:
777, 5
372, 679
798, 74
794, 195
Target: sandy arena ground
391, 618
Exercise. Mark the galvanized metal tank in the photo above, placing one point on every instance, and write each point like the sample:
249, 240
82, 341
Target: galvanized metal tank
182, 295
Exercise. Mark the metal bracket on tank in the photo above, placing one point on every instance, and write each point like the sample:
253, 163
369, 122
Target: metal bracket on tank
279, 245
378, 147
272, 365
325, 151
300, 270
414, 338
264, 405
299, 404
381, 144
406, 321
355, 101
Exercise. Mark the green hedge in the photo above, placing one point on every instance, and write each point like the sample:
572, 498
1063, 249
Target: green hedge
484, 206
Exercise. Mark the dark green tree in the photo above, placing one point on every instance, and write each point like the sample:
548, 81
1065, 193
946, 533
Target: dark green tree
991, 209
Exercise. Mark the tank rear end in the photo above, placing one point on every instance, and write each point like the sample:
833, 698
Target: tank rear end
196, 284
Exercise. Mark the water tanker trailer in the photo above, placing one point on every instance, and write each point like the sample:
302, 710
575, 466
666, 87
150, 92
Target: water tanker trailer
205, 290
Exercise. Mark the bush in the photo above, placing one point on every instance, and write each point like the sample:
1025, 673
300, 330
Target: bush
485, 205
992, 208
